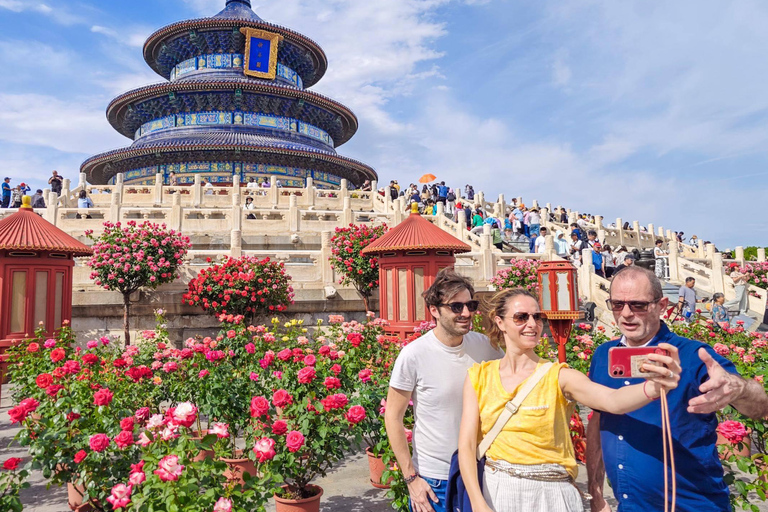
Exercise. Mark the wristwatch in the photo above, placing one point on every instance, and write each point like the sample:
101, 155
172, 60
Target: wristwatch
409, 479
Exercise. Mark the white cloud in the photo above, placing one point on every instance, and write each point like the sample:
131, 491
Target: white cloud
59, 15
133, 39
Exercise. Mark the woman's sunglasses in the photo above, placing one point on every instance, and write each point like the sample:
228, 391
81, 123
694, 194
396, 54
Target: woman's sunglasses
522, 318
458, 307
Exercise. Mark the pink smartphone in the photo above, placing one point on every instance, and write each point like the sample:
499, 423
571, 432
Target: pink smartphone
627, 362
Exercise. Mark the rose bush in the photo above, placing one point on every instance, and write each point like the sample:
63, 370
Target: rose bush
246, 286
134, 256
12, 481
520, 274
347, 259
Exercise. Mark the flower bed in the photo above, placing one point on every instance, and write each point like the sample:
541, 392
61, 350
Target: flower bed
520, 274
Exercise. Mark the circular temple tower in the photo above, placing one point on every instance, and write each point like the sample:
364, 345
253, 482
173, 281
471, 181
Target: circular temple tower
235, 103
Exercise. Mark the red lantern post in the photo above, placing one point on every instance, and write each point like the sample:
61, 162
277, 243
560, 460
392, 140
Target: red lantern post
559, 300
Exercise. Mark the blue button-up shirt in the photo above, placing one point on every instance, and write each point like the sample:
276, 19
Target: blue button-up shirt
632, 443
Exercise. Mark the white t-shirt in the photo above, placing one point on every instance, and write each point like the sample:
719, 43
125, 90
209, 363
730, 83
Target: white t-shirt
435, 374
539, 244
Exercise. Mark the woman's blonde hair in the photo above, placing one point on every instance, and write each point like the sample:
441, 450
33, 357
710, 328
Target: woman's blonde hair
497, 306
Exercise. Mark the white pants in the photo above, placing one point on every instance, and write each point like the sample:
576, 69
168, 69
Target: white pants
506, 493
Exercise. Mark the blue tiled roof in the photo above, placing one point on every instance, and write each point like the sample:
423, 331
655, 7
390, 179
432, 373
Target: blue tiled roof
238, 10
230, 137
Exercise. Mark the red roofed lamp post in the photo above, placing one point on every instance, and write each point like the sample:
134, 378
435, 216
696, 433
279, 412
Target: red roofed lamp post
410, 256
559, 300
36, 261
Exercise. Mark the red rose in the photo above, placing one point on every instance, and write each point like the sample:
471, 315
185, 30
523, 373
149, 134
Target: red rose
53, 390
279, 427
336, 369
90, 359
332, 383
103, 397
306, 375
355, 414
127, 424
11, 464
80, 456
33, 347
73, 416
284, 354
98, 442
310, 360
57, 354
294, 440
259, 406
281, 398
324, 350
124, 439
365, 375
44, 380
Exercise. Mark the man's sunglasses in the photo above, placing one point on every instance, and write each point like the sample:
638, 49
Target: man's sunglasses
458, 307
635, 306
522, 318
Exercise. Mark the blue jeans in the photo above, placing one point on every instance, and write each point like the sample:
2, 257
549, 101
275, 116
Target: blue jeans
440, 488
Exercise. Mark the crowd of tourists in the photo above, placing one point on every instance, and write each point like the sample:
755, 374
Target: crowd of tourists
12, 195
492, 426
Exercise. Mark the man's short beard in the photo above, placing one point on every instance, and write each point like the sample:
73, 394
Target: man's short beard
449, 326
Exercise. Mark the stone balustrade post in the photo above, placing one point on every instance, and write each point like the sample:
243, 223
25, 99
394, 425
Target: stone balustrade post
114, 208
636, 229
535, 204
326, 270
761, 254
674, 268
294, 214
440, 215
462, 221
601, 234
119, 184
236, 243
480, 198
309, 191
651, 232
670, 235
661, 232
274, 192
718, 272
620, 228
572, 217
545, 218
387, 199
739, 253
502, 206
599, 222
488, 259
519, 200
347, 211
236, 190
398, 206
158, 188
549, 206
176, 212
709, 250
549, 248
65, 202
702, 250
197, 191
374, 191
82, 182
458, 191
237, 210
344, 187
51, 206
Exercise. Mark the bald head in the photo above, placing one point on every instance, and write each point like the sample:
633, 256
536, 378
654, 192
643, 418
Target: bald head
642, 274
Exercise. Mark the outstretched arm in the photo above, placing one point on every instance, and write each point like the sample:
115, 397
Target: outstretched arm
470, 423
577, 386
724, 388
595, 465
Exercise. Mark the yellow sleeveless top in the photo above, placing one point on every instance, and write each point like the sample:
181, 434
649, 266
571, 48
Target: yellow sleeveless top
539, 432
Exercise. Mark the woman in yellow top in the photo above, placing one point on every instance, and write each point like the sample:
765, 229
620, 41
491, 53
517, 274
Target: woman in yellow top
530, 467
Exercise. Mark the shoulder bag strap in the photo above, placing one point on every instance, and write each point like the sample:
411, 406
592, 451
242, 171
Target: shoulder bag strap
511, 408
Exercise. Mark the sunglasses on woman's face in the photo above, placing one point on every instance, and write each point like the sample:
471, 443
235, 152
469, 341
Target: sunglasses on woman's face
458, 307
522, 318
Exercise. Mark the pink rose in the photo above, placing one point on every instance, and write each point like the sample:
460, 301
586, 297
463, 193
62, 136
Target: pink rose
365, 375
220, 429
223, 505
306, 374
170, 367
124, 439
92, 344
144, 440
98, 442
259, 406
250, 348
264, 449
310, 360
408, 435
137, 478
203, 374
721, 349
281, 398
142, 414
294, 440
355, 414
184, 414
102, 397
279, 427
336, 369
733, 431
332, 383
121, 496
284, 354
169, 468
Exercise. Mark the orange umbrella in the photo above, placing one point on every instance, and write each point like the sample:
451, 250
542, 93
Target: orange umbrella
427, 178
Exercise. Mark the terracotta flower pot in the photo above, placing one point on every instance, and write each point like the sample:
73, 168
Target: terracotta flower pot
238, 466
75, 498
311, 504
733, 449
376, 468
202, 454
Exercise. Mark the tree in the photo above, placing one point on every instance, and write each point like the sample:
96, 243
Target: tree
128, 258
241, 286
347, 259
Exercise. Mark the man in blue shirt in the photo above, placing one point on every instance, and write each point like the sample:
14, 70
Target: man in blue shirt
628, 448
6, 192
442, 192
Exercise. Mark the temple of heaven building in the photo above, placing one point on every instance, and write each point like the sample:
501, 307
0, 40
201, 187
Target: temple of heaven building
235, 103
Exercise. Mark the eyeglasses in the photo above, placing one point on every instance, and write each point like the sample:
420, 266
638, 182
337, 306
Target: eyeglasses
635, 306
458, 307
522, 318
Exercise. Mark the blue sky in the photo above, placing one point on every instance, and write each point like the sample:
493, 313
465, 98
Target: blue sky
649, 111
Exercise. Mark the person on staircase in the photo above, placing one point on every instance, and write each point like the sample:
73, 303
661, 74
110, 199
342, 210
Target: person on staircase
741, 302
661, 258
687, 299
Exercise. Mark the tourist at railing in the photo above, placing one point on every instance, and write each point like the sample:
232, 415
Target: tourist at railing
469, 191
661, 258
741, 301
442, 193
687, 299
561, 244
37, 199
16, 195
83, 201
541, 241
627, 260
719, 312
6, 193
574, 249
55, 182
597, 253
628, 447
534, 221
450, 205
173, 180
248, 206
609, 261
366, 186
496, 234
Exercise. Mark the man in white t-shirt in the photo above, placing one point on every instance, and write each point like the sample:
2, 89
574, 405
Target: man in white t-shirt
574, 249
431, 372
541, 241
